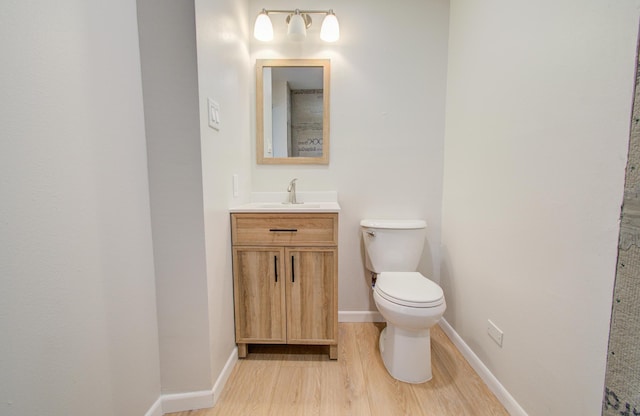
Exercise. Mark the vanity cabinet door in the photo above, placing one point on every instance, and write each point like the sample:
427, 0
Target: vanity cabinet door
312, 295
259, 292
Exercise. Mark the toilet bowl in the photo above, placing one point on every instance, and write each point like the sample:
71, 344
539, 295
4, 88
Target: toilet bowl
409, 302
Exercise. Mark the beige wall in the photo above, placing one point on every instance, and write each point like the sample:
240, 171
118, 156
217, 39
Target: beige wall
388, 78
538, 107
223, 72
191, 168
171, 107
77, 293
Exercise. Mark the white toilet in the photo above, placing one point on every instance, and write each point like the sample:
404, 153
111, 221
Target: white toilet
409, 302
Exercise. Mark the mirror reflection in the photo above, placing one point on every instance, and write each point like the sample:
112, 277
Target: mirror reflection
292, 109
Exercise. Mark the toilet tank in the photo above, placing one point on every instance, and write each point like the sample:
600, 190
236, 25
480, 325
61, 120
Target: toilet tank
393, 245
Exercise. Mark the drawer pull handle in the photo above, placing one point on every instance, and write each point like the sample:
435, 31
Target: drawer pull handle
283, 230
293, 270
275, 266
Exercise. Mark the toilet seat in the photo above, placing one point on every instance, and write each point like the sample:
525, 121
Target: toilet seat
409, 289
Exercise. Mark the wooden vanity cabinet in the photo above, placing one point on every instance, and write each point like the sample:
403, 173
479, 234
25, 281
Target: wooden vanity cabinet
285, 279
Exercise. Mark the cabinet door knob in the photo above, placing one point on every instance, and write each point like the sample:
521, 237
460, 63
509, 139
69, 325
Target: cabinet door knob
293, 270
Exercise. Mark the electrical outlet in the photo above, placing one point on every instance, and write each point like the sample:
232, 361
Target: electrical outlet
495, 333
236, 191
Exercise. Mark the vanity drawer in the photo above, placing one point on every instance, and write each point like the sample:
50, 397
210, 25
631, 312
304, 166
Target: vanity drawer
308, 229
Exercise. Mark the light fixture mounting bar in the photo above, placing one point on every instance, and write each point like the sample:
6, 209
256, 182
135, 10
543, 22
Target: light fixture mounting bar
297, 10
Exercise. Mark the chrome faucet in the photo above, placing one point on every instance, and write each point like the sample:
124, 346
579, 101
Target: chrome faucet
292, 191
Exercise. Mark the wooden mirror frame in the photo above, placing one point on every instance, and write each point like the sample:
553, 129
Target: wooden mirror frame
326, 69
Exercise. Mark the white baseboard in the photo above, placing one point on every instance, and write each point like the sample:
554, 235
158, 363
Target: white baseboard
490, 380
224, 375
156, 409
180, 402
360, 316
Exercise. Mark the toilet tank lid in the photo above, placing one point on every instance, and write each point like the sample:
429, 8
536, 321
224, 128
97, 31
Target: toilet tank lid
394, 224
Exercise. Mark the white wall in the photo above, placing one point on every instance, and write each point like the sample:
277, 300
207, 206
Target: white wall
388, 77
171, 108
77, 310
223, 71
538, 111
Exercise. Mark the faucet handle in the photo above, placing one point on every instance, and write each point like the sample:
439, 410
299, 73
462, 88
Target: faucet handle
292, 184
292, 191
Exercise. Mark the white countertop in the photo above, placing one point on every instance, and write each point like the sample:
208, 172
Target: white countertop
273, 202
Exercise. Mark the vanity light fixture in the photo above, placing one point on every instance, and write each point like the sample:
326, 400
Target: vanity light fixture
297, 25
298, 22
330, 29
263, 29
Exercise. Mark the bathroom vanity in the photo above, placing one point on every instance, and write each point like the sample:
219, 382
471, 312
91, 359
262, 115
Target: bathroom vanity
285, 275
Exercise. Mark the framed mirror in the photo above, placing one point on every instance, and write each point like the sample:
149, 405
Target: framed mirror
292, 111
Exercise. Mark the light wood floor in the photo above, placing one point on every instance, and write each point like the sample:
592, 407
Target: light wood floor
300, 381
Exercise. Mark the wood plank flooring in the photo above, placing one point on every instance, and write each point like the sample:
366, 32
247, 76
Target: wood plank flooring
291, 380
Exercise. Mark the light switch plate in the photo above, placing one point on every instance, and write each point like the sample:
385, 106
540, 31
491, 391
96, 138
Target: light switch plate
213, 112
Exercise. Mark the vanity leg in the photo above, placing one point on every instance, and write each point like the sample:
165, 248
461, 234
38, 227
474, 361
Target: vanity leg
333, 352
242, 350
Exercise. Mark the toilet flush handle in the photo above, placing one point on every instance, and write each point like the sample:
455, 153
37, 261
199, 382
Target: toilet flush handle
371, 233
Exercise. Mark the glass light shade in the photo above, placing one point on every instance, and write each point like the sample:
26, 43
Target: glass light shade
330, 30
297, 27
263, 28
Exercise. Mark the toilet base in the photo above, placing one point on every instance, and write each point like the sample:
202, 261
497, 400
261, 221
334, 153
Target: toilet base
406, 354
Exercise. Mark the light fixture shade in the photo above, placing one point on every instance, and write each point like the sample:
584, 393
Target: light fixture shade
263, 28
297, 27
330, 30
